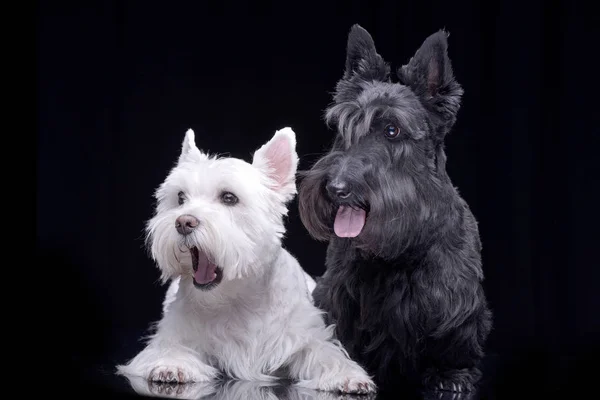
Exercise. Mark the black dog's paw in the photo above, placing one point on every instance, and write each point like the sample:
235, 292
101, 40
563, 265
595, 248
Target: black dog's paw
456, 381
449, 385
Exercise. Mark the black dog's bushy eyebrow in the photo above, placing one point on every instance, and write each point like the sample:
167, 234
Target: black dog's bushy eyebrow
354, 119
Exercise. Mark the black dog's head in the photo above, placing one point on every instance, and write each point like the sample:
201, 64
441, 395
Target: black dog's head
384, 183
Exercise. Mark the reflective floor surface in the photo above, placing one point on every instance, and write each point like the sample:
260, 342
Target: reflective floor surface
100, 380
234, 390
522, 378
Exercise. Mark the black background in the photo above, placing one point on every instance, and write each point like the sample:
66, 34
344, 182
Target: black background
119, 83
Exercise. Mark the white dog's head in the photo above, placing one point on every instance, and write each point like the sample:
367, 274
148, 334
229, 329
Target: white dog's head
220, 219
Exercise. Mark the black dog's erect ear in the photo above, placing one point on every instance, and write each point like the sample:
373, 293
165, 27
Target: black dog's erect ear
429, 74
362, 59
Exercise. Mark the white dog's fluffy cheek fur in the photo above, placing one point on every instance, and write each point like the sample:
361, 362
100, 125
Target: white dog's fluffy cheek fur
229, 247
163, 238
248, 238
233, 237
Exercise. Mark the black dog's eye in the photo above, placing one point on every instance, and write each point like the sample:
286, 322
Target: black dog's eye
391, 131
181, 198
229, 198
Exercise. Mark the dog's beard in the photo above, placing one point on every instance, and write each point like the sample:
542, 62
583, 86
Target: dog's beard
214, 252
381, 218
395, 217
324, 216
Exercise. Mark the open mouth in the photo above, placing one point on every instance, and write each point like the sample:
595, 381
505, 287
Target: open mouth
349, 221
207, 275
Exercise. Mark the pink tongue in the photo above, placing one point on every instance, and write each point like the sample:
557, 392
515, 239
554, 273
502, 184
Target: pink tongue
349, 222
206, 271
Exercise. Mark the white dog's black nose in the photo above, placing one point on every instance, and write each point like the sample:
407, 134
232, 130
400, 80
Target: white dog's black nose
338, 188
185, 224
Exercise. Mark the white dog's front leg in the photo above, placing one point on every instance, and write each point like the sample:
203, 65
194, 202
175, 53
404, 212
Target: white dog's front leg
168, 362
324, 365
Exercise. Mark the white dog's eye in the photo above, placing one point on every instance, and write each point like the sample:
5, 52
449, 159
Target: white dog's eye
229, 198
181, 198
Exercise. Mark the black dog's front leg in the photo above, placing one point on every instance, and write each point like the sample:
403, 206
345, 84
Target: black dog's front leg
453, 359
332, 297
452, 380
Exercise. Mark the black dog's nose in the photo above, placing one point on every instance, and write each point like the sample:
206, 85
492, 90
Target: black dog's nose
338, 188
185, 224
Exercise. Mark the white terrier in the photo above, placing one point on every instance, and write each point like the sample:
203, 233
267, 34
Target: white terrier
239, 304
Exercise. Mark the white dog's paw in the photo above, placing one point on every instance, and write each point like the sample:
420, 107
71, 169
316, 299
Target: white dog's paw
169, 374
173, 374
181, 390
357, 385
353, 380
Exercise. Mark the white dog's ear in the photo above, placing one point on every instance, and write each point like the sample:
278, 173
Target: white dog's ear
278, 160
189, 151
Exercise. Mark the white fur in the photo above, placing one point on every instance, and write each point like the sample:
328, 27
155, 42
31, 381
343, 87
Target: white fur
259, 323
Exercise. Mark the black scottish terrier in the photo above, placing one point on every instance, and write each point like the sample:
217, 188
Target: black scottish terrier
403, 282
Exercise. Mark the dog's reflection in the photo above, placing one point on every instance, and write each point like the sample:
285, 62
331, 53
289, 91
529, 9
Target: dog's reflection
441, 395
235, 390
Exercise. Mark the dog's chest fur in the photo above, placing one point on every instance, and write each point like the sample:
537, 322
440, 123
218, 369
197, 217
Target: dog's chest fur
244, 327
377, 306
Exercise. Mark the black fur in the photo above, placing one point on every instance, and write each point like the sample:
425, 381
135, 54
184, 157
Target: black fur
406, 293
